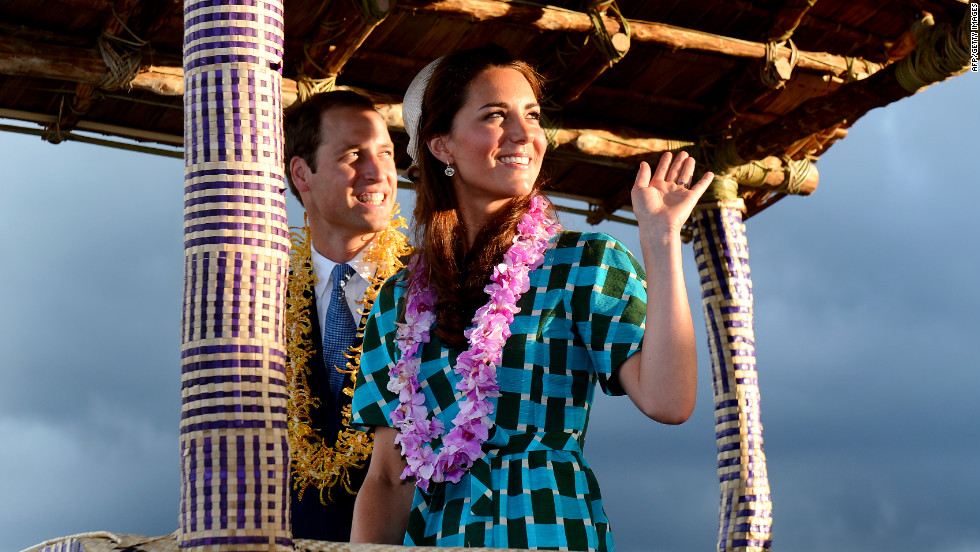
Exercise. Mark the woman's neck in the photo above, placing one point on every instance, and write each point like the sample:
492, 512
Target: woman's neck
475, 218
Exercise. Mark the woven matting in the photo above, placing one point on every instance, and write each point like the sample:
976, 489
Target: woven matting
233, 448
720, 247
104, 541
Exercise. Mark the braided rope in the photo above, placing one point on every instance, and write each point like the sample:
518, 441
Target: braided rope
121, 55
723, 157
52, 132
753, 173
797, 171
940, 53
604, 41
769, 74
307, 86
722, 188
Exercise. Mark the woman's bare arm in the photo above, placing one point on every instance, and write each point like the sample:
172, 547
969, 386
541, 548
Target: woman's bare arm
384, 501
662, 378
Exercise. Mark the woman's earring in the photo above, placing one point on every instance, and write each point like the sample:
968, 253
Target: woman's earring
449, 170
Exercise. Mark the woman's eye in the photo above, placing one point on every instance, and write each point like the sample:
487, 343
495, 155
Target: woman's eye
495, 115
536, 115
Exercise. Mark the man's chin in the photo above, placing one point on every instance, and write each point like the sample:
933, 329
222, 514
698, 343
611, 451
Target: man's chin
377, 224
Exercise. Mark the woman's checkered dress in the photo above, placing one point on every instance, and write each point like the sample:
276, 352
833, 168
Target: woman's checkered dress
583, 315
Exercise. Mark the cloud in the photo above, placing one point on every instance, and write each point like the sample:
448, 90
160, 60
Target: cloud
59, 482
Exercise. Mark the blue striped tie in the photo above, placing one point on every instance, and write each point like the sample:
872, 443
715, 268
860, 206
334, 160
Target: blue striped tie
339, 331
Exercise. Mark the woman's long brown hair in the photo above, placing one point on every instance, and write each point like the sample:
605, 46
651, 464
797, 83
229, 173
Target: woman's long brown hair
459, 276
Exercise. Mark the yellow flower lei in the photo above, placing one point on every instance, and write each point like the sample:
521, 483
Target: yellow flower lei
313, 462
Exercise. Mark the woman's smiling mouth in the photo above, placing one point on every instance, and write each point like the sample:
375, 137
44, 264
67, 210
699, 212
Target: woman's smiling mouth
514, 160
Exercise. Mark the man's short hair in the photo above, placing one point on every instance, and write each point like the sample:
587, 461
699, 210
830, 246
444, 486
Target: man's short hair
302, 126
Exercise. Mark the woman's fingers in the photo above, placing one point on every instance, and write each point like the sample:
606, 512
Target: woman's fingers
705, 180
677, 165
663, 166
674, 171
686, 173
643, 175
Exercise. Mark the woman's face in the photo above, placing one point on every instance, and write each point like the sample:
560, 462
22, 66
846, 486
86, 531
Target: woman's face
496, 144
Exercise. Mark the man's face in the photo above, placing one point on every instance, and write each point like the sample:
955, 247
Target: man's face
352, 191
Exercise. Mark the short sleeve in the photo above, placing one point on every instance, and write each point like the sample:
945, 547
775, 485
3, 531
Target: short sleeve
608, 304
372, 402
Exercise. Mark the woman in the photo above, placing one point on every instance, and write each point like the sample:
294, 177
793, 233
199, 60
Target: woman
481, 359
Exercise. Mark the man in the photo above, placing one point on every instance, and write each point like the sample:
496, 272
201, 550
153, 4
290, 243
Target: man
340, 165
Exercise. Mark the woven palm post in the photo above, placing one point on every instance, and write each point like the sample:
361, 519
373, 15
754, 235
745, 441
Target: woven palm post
234, 458
745, 517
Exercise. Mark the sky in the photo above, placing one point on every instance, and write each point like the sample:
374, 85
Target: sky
867, 327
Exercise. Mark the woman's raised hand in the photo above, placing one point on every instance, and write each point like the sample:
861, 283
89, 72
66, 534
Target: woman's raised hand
663, 201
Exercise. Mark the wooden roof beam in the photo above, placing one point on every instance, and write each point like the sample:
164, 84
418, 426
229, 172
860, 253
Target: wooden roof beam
550, 19
941, 52
875, 42
122, 12
761, 83
342, 29
577, 67
615, 147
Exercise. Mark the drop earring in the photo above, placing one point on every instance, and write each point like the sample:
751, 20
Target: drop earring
449, 170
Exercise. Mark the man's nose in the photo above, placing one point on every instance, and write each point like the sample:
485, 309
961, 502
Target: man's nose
370, 168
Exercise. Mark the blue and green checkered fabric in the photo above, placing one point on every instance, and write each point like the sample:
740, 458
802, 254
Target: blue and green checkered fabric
583, 316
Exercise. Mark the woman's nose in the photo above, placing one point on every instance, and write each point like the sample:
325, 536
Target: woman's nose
521, 131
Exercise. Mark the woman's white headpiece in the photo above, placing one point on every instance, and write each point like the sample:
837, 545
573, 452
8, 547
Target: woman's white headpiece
412, 105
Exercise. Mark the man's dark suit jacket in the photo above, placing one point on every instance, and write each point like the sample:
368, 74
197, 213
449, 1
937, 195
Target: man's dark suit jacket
310, 518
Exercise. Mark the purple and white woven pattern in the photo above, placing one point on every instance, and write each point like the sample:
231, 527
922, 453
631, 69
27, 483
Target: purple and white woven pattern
68, 545
726, 287
234, 453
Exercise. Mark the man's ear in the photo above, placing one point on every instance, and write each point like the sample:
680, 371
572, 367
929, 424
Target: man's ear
300, 172
439, 147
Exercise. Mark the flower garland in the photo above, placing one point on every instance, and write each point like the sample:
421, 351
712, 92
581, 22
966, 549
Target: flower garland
477, 365
313, 461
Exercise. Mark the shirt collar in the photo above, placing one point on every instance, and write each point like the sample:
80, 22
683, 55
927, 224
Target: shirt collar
323, 267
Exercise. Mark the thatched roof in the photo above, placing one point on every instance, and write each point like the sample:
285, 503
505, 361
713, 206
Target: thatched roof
760, 88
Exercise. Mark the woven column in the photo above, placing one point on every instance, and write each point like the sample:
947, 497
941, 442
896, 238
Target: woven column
234, 456
726, 287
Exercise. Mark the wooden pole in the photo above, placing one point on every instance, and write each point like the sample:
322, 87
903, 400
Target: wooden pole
233, 446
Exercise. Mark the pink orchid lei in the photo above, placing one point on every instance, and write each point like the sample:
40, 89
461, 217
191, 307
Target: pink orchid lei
477, 365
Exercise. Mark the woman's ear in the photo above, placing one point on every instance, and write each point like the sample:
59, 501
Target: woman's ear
439, 147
